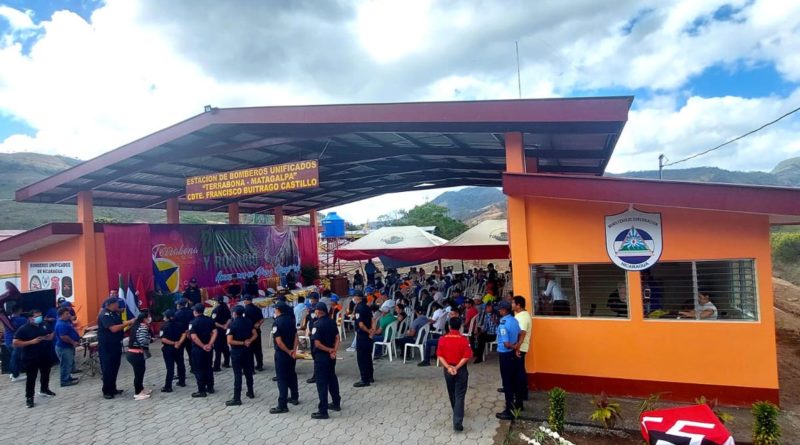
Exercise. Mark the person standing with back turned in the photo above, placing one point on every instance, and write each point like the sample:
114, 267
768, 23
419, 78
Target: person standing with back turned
325, 338
363, 342
241, 334
203, 334
284, 335
453, 352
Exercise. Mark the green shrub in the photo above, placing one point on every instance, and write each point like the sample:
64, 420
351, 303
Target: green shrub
766, 430
558, 409
786, 246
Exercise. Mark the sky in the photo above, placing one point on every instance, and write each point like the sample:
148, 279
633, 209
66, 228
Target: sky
82, 77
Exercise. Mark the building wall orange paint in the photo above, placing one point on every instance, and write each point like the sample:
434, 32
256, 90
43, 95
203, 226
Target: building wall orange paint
739, 354
69, 250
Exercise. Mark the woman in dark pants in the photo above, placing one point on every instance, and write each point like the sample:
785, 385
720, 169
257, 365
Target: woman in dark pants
138, 352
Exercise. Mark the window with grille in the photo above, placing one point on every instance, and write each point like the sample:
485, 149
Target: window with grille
701, 290
580, 290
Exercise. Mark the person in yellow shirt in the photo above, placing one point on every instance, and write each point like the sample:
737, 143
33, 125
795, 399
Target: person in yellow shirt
523, 344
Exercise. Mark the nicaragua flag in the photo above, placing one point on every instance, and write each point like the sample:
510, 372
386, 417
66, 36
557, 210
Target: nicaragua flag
130, 298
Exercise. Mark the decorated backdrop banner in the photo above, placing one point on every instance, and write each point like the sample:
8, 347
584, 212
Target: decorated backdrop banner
212, 254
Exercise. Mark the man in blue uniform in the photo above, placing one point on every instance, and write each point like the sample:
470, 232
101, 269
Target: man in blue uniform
254, 314
110, 331
241, 334
185, 316
507, 335
203, 335
34, 340
363, 319
284, 337
173, 337
325, 339
192, 292
221, 316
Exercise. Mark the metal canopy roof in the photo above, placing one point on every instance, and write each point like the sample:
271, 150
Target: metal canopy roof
363, 150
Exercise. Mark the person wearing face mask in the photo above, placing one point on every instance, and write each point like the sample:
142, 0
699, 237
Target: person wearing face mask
222, 317
33, 340
138, 352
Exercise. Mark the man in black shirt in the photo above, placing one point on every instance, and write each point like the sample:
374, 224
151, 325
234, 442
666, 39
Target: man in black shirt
203, 335
363, 319
325, 338
284, 336
185, 316
254, 314
34, 340
240, 335
234, 287
173, 337
192, 292
110, 331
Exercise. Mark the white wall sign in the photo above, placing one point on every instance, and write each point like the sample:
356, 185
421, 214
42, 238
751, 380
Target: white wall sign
634, 239
52, 275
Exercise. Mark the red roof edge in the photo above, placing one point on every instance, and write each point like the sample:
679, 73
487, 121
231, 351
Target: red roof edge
39, 234
694, 195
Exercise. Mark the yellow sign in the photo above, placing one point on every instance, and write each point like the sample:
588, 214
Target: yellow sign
254, 181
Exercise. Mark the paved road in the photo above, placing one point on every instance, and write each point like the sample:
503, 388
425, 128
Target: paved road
407, 405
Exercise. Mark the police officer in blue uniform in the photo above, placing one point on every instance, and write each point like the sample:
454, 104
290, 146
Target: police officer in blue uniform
173, 337
363, 319
185, 316
325, 338
203, 335
192, 291
110, 331
221, 316
253, 313
240, 335
507, 336
284, 336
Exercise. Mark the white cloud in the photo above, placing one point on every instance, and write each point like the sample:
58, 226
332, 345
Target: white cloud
139, 65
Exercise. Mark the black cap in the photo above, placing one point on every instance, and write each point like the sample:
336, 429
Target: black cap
313, 296
220, 298
321, 307
193, 280
503, 305
199, 308
169, 313
110, 300
248, 297
281, 306
358, 293
239, 310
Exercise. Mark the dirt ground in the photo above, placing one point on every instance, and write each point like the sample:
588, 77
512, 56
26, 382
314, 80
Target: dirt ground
787, 327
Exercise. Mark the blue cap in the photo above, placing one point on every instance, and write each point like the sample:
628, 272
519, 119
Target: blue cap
239, 310
352, 292
121, 302
334, 297
199, 308
504, 305
313, 296
321, 307
369, 290
169, 313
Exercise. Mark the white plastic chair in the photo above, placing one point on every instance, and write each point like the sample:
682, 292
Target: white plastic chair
422, 337
489, 348
340, 325
428, 309
471, 328
388, 341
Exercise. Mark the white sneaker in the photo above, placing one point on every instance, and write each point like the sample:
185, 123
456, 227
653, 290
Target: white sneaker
141, 396
147, 391
16, 379
351, 349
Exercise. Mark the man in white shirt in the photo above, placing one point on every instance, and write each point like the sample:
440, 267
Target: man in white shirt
557, 296
704, 309
523, 344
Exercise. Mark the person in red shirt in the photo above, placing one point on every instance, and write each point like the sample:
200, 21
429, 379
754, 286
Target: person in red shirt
471, 312
453, 352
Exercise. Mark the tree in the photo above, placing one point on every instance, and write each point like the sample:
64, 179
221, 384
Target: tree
432, 215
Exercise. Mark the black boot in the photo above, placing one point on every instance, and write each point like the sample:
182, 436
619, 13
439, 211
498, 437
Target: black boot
233, 402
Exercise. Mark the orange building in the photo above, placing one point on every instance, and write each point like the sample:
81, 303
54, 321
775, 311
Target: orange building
635, 286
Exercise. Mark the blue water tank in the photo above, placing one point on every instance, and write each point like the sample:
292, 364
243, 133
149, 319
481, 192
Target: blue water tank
333, 226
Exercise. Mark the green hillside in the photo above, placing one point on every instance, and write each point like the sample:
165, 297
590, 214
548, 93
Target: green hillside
21, 169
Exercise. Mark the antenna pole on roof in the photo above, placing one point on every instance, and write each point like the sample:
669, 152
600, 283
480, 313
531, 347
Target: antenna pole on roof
661, 161
519, 78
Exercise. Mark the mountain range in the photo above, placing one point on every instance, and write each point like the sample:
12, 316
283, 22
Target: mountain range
470, 204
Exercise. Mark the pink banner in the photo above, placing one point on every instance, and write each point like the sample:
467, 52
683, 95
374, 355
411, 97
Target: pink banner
127, 253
